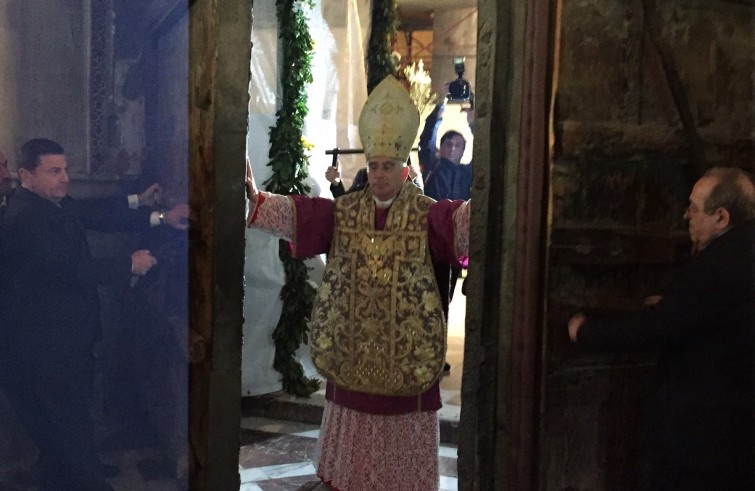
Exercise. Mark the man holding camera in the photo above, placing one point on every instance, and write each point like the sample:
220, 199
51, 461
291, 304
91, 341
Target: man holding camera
444, 175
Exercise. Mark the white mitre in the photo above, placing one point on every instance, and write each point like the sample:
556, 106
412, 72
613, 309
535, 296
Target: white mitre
389, 121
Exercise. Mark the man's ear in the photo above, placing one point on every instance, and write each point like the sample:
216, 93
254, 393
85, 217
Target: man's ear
723, 218
24, 174
405, 172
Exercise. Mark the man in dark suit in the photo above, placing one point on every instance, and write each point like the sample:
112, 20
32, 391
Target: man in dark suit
50, 285
701, 422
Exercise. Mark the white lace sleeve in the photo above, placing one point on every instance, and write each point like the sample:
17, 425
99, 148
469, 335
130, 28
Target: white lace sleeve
275, 215
461, 229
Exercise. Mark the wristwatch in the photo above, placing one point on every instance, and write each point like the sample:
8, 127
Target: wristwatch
161, 218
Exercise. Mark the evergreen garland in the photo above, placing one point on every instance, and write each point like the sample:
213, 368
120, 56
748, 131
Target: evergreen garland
380, 63
289, 162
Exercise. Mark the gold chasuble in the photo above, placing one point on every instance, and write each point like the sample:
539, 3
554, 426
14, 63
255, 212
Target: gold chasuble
377, 322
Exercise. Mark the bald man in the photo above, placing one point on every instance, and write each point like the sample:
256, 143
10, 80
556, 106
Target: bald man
700, 423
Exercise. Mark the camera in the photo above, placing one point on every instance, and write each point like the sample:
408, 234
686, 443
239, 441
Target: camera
459, 90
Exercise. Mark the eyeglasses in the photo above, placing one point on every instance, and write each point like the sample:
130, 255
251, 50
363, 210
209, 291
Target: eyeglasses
691, 209
694, 210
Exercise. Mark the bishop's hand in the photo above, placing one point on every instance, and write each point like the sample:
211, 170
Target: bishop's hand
251, 187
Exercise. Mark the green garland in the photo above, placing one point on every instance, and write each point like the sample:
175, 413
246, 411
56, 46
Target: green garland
380, 63
289, 162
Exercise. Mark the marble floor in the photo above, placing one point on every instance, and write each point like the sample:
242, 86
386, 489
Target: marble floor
277, 456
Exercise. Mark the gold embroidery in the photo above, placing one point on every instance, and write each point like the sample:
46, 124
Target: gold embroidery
377, 324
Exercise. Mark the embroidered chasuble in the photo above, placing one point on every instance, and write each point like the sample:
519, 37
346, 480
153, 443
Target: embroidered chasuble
310, 225
377, 324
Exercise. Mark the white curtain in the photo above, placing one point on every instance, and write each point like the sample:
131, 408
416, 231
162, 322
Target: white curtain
335, 98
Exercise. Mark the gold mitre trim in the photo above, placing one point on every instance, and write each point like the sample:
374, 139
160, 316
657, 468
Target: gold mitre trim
389, 121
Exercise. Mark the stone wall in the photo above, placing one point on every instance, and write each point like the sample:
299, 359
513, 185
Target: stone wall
43, 76
622, 169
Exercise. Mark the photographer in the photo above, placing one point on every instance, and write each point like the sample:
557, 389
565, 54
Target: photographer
444, 175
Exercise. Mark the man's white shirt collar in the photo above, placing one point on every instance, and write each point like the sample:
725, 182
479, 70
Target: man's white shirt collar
384, 204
